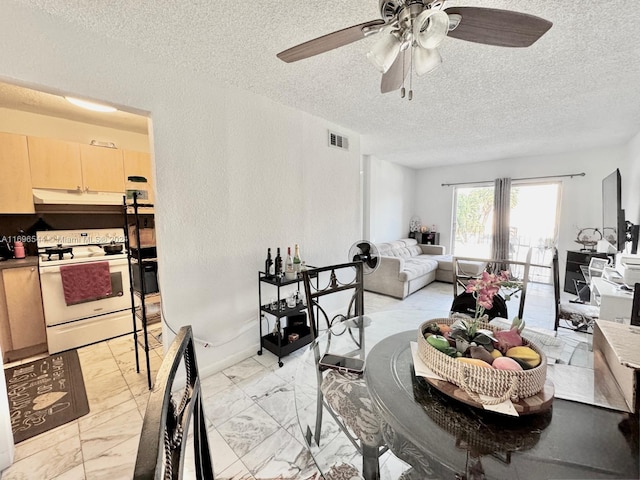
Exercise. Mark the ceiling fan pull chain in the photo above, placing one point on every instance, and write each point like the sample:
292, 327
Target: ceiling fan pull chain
411, 78
402, 90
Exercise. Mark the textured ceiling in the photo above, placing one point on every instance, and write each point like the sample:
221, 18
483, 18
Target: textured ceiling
576, 88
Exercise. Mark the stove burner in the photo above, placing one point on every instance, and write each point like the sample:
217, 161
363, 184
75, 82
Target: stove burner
59, 250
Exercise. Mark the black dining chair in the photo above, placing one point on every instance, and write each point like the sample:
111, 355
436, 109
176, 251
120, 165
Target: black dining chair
162, 445
344, 395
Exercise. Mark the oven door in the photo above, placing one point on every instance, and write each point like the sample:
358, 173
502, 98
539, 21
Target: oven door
56, 310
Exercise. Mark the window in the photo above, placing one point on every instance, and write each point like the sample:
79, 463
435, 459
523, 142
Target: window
534, 221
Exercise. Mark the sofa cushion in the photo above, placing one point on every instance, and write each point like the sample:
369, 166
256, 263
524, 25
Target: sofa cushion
415, 267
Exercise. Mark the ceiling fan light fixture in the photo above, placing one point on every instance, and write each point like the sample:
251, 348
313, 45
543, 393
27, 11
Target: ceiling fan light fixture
425, 60
384, 52
430, 28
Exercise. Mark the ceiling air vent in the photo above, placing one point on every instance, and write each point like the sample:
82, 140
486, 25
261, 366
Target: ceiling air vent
338, 141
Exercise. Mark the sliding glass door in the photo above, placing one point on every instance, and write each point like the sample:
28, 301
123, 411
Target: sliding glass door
533, 222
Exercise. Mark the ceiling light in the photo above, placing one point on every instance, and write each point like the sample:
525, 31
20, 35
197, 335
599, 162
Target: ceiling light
384, 52
96, 107
425, 60
430, 28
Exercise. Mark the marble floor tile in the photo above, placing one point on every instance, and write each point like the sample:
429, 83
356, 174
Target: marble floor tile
60, 457
222, 456
106, 391
216, 383
280, 456
243, 370
220, 407
115, 463
106, 435
237, 471
262, 385
248, 429
43, 441
76, 473
93, 421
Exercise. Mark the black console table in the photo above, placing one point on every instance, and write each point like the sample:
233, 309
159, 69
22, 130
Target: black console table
576, 258
427, 238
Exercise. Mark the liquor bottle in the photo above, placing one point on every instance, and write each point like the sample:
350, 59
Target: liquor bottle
267, 264
296, 259
288, 263
278, 264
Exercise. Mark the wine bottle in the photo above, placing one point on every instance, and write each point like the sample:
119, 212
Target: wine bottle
267, 264
278, 264
296, 259
288, 263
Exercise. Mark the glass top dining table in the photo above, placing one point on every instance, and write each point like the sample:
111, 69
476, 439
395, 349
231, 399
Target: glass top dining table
428, 435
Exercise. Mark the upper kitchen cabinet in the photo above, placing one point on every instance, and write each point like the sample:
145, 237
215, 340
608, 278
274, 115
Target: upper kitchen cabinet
138, 164
102, 169
55, 164
15, 181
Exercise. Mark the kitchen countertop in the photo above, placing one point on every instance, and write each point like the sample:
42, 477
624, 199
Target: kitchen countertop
21, 262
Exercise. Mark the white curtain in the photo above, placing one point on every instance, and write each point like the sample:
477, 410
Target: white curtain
501, 221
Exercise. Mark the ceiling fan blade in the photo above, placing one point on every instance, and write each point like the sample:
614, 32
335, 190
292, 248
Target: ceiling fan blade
502, 28
330, 41
392, 80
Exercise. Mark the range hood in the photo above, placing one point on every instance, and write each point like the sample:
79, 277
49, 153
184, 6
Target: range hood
72, 197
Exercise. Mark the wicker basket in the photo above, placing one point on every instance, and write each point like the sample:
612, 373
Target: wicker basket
474, 380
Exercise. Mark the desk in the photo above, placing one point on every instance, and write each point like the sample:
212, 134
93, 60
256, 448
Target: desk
613, 302
431, 436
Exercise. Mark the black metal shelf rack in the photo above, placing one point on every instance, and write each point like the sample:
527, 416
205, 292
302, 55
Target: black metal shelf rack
296, 319
139, 256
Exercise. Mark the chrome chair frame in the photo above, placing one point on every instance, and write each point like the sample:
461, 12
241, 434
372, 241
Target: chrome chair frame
353, 319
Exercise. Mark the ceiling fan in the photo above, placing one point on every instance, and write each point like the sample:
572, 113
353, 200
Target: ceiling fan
411, 31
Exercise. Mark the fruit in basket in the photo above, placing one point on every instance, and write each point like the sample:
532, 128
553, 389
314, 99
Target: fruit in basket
474, 361
506, 363
481, 353
442, 344
524, 354
495, 353
507, 339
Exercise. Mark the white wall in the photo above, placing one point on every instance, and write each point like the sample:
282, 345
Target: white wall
631, 182
27, 123
391, 199
235, 173
581, 205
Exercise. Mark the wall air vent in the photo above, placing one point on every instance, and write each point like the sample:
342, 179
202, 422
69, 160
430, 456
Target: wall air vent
338, 141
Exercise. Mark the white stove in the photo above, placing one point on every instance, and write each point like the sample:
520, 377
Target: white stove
85, 291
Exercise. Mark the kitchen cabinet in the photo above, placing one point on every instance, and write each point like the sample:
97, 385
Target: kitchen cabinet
102, 169
22, 326
55, 164
138, 164
64, 165
15, 181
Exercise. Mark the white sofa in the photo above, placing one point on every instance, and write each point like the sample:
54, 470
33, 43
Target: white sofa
406, 266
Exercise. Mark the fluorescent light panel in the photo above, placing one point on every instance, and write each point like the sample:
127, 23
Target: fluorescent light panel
96, 107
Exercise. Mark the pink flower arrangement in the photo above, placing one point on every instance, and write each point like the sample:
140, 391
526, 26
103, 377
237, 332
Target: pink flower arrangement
485, 288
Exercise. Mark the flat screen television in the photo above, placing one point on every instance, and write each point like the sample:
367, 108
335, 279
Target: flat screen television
614, 228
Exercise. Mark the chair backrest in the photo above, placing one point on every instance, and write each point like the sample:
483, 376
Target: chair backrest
320, 283
556, 283
494, 266
161, 449
635, 306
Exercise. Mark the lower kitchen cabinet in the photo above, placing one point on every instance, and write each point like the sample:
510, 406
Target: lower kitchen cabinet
22, 327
